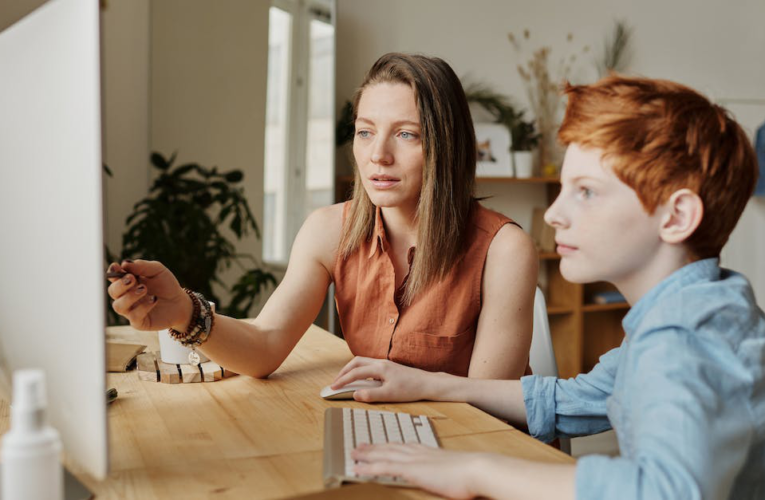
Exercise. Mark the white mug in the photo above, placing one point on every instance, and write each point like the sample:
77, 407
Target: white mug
173, 352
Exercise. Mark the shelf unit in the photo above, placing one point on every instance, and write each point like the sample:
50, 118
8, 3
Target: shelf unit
581, 330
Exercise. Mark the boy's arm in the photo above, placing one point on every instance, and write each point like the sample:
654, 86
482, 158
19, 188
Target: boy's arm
570, 407
686, 424
577, 405
454, 474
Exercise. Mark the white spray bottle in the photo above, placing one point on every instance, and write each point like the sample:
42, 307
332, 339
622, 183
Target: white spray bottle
31, 449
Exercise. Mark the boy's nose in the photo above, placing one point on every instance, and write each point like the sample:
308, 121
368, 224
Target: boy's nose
554, 217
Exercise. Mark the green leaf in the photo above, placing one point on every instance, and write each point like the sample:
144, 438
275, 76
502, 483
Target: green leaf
159, 161
234, 176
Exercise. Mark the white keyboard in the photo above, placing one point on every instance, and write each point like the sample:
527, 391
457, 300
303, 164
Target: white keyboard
346, 428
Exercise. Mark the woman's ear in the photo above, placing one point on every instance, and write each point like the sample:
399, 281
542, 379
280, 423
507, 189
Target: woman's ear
683, 213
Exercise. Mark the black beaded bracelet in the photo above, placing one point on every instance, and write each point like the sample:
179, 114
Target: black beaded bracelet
183, 337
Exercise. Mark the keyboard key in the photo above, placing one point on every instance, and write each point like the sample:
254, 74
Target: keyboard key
425, 433
391, 425
407, 428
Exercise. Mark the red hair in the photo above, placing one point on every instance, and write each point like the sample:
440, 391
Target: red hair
659, 137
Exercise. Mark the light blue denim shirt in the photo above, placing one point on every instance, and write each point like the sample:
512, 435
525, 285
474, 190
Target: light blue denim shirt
685, 393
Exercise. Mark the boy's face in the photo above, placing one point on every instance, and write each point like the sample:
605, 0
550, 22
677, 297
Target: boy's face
602, 231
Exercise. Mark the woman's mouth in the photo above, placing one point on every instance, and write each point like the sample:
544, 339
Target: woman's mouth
384, 181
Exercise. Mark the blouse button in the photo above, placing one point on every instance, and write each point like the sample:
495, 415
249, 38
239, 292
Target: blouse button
391, 321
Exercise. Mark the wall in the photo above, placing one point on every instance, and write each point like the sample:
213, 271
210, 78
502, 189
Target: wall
208, 89
713, 46
13, 10
125, 55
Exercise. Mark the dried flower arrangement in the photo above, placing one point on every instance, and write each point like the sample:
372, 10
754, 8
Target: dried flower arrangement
543, 92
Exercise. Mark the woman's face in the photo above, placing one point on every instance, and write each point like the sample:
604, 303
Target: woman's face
388, 145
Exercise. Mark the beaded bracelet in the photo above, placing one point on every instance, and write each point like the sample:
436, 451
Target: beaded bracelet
199, 328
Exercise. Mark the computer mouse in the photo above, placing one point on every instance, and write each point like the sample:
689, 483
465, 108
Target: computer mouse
346, 392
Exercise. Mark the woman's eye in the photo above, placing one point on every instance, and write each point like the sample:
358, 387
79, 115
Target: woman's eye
407, 135
363, 133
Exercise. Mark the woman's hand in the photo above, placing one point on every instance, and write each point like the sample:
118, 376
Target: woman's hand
149, 296
447, 473
399, 383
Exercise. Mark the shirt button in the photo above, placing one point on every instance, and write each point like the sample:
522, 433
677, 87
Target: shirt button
391, 321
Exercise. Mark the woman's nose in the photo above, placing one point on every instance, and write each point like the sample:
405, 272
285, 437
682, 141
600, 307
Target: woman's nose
381, 153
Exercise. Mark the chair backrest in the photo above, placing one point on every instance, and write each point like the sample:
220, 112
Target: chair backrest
541, 355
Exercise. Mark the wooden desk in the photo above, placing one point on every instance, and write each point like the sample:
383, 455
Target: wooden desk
248, 438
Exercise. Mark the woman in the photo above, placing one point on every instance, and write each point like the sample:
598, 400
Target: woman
424, 275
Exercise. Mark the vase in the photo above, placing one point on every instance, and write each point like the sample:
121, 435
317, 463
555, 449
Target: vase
524, 164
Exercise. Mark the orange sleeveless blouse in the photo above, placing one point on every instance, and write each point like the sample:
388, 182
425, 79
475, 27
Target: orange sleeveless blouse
436, 332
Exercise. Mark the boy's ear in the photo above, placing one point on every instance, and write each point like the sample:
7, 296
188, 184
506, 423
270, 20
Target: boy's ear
683, 213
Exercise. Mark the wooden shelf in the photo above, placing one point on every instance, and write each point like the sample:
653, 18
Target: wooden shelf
560, 309
616, 306
549, 256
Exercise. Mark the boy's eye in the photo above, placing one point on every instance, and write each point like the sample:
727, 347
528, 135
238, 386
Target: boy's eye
585, 193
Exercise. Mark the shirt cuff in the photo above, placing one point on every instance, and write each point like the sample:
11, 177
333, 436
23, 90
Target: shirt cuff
600, 476
539, 399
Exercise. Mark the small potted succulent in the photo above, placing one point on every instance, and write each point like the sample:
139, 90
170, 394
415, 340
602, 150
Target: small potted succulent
525, 139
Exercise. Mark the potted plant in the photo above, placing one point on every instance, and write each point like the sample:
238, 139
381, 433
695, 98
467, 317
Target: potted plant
181, 222
525, 139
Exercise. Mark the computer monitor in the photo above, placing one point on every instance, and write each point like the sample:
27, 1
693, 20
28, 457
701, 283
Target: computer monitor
52, 282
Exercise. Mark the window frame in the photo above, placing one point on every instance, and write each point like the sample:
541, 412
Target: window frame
296, 147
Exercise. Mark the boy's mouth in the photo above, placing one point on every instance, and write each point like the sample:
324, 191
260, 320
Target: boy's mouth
564, 249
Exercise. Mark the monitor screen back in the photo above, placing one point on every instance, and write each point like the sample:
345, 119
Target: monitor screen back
52, 285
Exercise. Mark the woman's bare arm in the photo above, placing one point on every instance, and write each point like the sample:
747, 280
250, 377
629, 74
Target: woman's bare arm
256, 348
259, 347
503, 337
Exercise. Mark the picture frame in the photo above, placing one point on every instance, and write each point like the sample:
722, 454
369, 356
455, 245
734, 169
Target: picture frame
493, 157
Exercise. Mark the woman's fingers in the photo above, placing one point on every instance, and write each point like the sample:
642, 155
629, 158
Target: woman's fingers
139, 314
359, 373
126, 294
377, 394
350, 365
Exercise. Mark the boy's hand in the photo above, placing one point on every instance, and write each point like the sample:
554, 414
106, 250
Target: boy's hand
399, 383
447, 473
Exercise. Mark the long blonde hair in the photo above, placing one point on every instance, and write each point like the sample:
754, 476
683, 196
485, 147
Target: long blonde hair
448, 175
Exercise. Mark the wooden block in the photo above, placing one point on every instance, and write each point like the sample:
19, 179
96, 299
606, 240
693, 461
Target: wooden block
169, 373
120, 355
152, 369
190, 374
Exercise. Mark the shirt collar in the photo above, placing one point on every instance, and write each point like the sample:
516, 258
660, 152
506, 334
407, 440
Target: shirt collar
380, 240
378, 235
695, 272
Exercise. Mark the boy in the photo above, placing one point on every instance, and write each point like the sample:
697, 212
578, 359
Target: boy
654, 180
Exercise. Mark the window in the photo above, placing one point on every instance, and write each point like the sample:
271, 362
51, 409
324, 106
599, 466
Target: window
299, 149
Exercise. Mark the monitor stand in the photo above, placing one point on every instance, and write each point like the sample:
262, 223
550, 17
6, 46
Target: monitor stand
73, 488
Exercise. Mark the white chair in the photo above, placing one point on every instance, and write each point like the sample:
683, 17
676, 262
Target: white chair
541, 354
